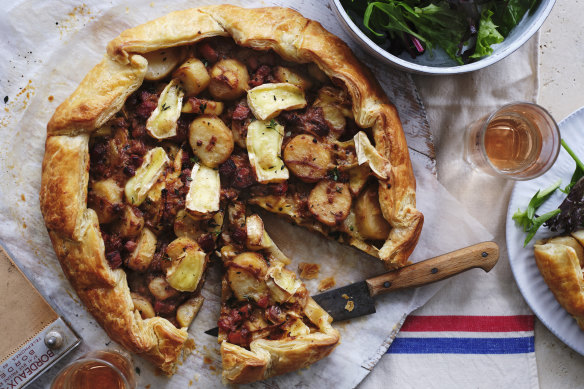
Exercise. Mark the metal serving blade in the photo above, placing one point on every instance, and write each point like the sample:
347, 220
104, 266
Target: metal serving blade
347, 302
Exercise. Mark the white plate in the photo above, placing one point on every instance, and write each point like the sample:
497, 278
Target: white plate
530, 282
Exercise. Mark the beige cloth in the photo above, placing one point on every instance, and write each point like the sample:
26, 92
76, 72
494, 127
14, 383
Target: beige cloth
452, 102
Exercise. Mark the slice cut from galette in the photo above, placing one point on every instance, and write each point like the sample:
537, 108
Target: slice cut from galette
269, 325
190, 118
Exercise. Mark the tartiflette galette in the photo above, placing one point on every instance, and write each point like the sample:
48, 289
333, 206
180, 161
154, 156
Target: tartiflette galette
154, 164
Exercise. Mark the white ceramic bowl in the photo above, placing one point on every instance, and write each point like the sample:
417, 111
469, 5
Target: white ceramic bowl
438, 62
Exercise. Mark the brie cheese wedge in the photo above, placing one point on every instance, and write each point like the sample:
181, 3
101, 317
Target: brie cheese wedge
163, 121
146, 176
367, 153
264, 147
203, 196
268, 100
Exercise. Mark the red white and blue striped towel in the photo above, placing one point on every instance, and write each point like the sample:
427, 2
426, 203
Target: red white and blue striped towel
475, 333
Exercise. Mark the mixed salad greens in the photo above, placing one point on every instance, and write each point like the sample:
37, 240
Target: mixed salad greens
464, 29
568, 217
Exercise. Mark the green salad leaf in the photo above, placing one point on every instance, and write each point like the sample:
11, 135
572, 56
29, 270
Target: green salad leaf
487, 35
464, 29
527, 219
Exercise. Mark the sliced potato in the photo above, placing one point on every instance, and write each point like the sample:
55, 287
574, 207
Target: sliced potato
264, 145
367, 153
268, 100
188, 264
290, 76
245, 275
204, 193
141, 257
229, 79
307, 158
370, 221
257, 237
203, 106
163, 121
358, 178
186, 226
211, 140
193, 76
162, 62
130, 223
143, 305
161, 289
186, 313
330, 202
146, 176
106, 196
282, 283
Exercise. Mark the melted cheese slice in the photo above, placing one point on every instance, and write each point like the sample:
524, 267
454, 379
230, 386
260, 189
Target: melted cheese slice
268, 100
367, 153
162, 123
282, 283
264, 146
203, 196
146, 176
188, 263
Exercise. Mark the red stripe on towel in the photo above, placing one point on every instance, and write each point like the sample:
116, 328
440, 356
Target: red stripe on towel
469, 323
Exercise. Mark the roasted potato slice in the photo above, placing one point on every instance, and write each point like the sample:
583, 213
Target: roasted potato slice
367, 153
193, 76
105, 199
188, 262
203, 197
146, 176
330, 202
162, 62
358, 177
143, 305
130, 223
211, 140
203, 106
245, 274
368, 217
229, 79
335, 107
163, 121
141, 257
161, 289
268, 100
186, 226
291, 76
264, 145
187, 311
309, 159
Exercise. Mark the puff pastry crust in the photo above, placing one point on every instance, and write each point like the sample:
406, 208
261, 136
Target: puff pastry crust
75, 231
559, 260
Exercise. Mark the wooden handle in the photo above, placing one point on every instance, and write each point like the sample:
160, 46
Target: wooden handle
484, 255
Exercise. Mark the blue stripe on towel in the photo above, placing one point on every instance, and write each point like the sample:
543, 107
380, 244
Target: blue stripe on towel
462, 345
